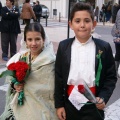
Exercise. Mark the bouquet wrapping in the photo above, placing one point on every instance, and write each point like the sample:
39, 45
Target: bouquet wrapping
19, 72
87, 92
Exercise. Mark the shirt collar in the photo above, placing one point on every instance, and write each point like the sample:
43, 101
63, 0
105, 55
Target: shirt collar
11, 8
78, 42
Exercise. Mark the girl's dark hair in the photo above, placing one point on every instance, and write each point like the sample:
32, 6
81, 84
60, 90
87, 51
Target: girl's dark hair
37, 27
81, 6
27, 1
12, 1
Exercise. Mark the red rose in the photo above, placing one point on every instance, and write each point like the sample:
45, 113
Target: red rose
11, 66
81, 89
20, 75
20, 65
20, 69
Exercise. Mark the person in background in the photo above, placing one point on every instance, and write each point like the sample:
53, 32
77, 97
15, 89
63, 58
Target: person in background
97, 12
34, 3
103, 10
0, 7
38, 11
27, 12
39, 86
115, 32
108, 11
115, 9
10, 28
83, 61
23, 22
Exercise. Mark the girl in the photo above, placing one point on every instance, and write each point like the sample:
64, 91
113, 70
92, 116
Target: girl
39, 86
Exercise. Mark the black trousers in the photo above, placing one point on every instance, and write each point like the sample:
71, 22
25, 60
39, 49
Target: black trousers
87, 112
113, 18
37, 19
6, 40
27, 21
117, 55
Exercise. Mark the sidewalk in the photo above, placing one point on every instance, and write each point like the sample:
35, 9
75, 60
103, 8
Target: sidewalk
55, 33
105, 24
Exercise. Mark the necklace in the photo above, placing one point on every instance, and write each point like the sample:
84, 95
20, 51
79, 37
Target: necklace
30, 60
33, 57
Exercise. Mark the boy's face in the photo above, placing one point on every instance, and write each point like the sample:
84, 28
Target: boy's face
82, 25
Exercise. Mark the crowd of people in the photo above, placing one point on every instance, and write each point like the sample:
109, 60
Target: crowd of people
74, 84
107, 13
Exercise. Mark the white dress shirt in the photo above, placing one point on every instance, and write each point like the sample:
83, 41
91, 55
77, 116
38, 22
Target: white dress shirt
82, 68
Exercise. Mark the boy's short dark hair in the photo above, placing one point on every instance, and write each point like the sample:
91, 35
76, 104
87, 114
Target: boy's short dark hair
81, 6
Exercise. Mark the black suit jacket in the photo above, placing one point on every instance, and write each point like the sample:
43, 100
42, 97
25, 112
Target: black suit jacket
62, 66
9, 21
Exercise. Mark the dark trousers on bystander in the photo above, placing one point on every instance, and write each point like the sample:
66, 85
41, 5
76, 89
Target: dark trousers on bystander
6, 40
27, 21
37, 19
117, 55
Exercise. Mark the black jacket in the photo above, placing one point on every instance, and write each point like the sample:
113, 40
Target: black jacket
9, 22
38, 10
0, 8
62, 66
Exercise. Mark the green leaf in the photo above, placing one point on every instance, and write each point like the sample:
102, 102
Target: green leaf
14, 80
27, 74
7, 73
17, 83
23, 59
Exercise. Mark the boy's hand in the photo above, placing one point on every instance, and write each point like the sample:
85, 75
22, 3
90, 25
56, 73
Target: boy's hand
101, 103
61, 113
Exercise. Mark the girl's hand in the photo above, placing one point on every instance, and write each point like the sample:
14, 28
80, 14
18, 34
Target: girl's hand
100, 103
19, 87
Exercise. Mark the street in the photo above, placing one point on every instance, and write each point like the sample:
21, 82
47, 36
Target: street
58, 31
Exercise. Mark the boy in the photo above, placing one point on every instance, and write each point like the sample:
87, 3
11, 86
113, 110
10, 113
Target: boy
83, 59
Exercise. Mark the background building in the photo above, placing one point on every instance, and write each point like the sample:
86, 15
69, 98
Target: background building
61, 6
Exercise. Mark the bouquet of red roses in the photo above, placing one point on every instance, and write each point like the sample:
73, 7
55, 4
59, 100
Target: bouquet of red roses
19, 72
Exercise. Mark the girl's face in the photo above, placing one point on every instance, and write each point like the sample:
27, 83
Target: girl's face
34, 42
8, 3
82, 25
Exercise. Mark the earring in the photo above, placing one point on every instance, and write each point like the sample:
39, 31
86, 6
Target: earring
42, 47
27, 46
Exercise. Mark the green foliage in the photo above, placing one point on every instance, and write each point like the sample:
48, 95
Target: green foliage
7, 73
